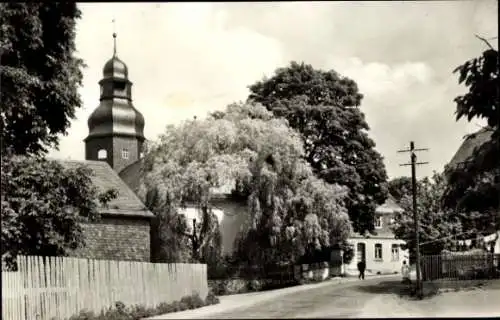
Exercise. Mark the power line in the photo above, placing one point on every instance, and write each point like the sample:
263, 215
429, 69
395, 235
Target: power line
452, 236
413, 163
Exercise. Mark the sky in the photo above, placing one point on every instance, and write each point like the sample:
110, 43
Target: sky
188, 59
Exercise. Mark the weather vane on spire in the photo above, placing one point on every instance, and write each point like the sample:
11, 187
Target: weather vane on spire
114, 37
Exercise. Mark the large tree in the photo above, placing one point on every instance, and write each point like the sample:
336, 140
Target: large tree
439, 227
324, 107
260, 157
474, 186
39, 77
399, 188
43, 206
39, 74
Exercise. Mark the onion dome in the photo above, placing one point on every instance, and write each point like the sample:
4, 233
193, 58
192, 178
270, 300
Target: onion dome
115, 68
116, 118
116, 114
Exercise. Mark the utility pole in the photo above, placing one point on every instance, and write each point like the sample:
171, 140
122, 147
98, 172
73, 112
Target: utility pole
413, 165
194, 242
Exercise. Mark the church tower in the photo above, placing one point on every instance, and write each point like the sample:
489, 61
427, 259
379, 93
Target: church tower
116, 128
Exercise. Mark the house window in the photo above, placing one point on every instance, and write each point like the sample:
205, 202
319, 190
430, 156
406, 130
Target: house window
361, 251
102, 154
378, 222
395, 252
125, 153
378, 251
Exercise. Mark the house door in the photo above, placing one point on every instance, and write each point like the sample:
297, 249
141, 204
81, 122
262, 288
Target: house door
361, 251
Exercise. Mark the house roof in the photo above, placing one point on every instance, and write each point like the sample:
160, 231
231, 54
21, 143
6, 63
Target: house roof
131, 175
468, 146
389, 206
126, 202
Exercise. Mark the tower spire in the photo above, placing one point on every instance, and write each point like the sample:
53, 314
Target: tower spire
114, 38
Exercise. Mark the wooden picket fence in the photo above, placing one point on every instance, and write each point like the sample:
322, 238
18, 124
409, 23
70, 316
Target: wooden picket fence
59, 287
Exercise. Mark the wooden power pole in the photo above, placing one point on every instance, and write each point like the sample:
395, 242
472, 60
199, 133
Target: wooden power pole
194, 243
413, 165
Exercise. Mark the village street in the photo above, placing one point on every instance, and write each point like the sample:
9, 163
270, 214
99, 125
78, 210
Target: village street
180, 160
352, 298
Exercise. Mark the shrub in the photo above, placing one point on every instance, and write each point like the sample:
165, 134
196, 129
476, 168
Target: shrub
183, 306
194, 301
137, 312
166, 307
228, 286
211, 299
254, 285
140, 312
84, 315
177, 306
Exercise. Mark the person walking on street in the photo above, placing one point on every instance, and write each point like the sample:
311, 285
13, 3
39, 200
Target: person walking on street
405, 272
361, 269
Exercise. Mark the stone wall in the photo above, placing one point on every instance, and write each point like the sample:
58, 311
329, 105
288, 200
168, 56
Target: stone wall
117, 239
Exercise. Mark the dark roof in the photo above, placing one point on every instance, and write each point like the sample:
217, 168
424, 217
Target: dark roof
470, 143
126, 203
132, 174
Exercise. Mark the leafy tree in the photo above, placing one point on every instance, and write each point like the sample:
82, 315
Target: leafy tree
474, 186
39, 77
323, 107
39, 74
261, 158
43, 206
436, 223
399, 188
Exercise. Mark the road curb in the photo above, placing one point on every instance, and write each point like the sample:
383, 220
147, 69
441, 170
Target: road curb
235, 301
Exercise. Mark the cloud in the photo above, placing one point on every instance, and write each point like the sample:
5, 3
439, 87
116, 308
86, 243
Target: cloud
187, 59
182, 60
375, 78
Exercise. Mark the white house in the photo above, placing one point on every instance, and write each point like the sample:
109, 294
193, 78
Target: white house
382, 252
493, 242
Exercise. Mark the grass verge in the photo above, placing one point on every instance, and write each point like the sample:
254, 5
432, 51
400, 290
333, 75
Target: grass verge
137, 312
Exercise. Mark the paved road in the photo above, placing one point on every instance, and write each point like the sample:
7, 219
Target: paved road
333, 301
377, 297
337, 298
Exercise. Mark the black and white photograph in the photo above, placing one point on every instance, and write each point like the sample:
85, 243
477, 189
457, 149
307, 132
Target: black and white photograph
246, 160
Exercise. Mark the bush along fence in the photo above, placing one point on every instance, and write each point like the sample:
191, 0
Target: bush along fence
60, 287
459, 266
239, 279
139, 312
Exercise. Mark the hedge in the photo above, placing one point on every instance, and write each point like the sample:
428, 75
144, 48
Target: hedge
137, 312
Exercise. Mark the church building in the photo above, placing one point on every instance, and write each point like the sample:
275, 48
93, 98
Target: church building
114, 149
115, 141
